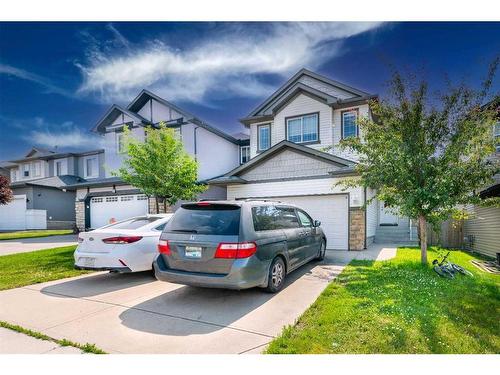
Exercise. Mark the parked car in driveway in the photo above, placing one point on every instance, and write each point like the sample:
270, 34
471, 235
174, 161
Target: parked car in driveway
237, 244
126, 246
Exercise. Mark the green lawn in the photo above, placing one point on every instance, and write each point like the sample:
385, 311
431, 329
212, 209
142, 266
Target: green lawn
400, 306
37, 267
33, 233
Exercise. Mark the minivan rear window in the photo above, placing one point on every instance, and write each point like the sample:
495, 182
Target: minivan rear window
214, 219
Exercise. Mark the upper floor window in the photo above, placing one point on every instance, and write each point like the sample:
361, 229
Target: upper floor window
244, 154
496, 134
303, 129
91, 167
350, 124
13, 175
263, 137
59, 168
37, 169
120, 143
178, 133
26, 170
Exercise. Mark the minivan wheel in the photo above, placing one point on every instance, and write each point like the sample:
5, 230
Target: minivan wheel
322, 251
276, 277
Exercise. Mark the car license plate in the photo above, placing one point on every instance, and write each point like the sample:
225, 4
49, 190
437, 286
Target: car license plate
193, 252
88, 262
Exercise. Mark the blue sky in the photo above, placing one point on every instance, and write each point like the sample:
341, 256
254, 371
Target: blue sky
58, 79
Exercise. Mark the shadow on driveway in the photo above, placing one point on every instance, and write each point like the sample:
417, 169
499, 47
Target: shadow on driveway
213, 308
98, 284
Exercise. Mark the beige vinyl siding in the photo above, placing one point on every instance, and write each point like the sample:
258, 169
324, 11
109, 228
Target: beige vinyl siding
485, 226
302, 105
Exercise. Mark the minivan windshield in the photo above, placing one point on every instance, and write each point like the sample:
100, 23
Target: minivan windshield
215, 219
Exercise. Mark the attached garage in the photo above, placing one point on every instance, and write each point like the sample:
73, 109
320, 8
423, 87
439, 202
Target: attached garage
13, 214
333, 212
104, 209
308, 178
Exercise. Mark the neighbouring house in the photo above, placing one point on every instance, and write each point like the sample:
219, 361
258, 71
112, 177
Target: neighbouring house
103, 197
38, 181
482, 231
295, 158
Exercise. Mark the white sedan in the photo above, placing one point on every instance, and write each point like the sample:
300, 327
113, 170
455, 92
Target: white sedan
125, 246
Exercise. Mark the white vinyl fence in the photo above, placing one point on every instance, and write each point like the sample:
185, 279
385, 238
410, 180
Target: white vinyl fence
16, 216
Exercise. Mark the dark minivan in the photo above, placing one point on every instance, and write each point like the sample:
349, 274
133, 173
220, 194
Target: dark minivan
237, 244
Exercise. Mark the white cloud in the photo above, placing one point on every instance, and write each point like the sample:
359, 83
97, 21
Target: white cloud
64, 136
227, 64
28, 76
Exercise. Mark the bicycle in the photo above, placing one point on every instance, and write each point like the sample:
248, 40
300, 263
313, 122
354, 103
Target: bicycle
447, 269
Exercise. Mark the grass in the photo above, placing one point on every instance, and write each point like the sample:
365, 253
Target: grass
86, 348
33, 233
400, 306
22, 269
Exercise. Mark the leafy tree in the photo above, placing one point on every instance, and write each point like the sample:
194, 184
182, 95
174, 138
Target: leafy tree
425, 156
160, 166
5, 192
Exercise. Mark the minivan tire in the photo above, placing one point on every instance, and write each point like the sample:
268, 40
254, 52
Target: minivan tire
322, 251
276, 276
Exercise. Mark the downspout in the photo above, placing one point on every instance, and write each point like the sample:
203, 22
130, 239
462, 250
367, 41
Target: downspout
195, 145
366, 218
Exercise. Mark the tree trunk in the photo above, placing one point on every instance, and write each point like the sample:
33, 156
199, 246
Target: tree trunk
422, 224
157, 206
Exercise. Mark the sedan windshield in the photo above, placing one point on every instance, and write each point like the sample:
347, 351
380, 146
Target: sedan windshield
133, 223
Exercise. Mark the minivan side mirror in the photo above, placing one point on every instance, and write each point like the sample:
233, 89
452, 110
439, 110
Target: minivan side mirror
317, 223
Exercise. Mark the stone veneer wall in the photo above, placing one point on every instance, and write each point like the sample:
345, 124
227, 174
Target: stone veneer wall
163, 208
80, 215
357, 228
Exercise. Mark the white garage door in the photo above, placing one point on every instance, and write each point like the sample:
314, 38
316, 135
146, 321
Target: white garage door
13, 214
332, 211
117, 207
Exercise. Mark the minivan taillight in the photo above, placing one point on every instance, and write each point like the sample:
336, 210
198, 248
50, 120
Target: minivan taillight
163, 247
122, 239
235, 250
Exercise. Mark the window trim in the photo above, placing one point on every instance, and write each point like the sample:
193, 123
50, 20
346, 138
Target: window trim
259, 150
26, 168
302, 135
247, 147
342, 121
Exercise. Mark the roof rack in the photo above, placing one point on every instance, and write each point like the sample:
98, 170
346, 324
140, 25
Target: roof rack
261, 200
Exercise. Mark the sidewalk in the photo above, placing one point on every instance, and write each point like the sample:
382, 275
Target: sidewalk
12, 342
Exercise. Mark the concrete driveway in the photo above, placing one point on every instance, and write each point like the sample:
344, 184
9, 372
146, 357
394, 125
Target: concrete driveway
134, 313
23, 245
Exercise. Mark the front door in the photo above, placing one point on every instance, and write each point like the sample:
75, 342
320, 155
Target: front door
387, 215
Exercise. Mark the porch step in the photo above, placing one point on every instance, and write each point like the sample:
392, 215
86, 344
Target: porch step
396, 234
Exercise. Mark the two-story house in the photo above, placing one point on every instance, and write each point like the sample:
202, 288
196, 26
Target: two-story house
103, 197
295, 158
39, 180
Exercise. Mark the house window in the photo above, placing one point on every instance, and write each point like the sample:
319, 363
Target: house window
178, 133
263, 137
91, 167
496, 133
244, 154
59, 168
303, 129
350, 124
37, 169
13, 175
120, 144
26, 170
